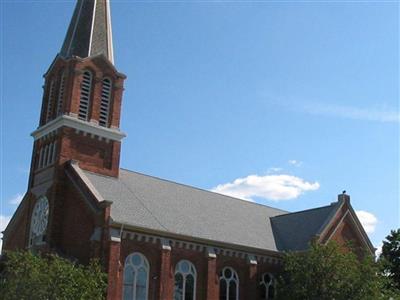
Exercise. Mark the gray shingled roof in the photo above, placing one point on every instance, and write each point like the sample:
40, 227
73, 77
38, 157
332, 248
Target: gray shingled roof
159, 205
294, 231
89, 32
152, 203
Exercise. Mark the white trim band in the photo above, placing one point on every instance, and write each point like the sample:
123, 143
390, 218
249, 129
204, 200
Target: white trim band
80, 125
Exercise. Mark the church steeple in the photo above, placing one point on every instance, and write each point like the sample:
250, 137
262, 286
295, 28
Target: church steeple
89, 33
82, 97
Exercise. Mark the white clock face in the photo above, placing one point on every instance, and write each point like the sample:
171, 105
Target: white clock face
40, 216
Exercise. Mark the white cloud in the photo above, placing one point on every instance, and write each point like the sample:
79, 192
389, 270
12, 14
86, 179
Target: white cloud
377, 113
272, 187
274, 170
3, 224
368, 220
295, 163
382, 114
16, 199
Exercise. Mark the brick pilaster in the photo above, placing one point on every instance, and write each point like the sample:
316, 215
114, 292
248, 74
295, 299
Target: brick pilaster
166, 284
251, 287
114, 287
212, 276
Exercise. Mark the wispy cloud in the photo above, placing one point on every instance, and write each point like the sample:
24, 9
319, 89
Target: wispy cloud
377, 113
272, 187
382, 114
295, 163
3, 224
368, 220
274, 170
16, 199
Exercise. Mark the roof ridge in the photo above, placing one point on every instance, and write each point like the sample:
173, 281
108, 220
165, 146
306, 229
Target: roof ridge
204, 190
306, 210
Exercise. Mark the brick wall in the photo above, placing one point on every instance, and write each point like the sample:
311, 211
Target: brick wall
93, 154
154, 254
74, 222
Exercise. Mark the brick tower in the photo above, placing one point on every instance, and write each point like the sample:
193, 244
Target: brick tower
79, 124
81, 105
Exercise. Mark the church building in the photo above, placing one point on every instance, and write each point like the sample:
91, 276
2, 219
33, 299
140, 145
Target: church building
156, 239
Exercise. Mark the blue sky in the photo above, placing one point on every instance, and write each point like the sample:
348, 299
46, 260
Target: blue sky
283, 103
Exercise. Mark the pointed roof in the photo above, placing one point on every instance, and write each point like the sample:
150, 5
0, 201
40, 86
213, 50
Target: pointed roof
294, 231
89, 32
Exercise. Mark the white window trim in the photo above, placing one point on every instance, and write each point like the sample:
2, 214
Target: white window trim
268, 285
228, 280
45, 155
49, 154
40, 162
135, 277
184, 275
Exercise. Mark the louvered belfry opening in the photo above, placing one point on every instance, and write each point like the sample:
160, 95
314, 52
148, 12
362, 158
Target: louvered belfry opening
105, 102
60, 99
50, 101
84, 103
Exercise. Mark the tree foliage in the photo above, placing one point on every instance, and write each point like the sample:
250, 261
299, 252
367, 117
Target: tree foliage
327, 272
28, 276
390, 260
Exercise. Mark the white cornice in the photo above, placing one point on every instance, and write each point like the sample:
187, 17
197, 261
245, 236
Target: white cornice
79, 125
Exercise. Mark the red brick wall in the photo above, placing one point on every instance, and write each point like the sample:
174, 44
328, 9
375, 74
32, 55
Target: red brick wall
16, 236
94, 155
73, 221
153, 253
343, 231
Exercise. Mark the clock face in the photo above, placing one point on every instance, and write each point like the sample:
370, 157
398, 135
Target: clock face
40, 216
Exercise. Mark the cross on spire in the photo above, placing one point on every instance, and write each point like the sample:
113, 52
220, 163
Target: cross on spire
89, 33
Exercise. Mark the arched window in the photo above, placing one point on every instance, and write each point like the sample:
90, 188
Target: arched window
228, 284
267, 285
105, 102
60, 98
84, 103
39, 219
185, 281
136, 277
50, 100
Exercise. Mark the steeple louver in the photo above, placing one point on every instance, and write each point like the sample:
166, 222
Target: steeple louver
89, 33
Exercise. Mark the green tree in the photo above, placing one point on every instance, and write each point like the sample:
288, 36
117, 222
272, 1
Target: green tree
327, 272
28, 276
390, 259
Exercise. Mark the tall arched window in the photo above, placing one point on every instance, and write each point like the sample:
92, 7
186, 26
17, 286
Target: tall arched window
136, 277
228, 284
84, 103
267, 285
185, 281
105, 102
50, 101
60, 98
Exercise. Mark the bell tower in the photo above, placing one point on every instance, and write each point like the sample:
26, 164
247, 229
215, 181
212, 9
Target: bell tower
81, 106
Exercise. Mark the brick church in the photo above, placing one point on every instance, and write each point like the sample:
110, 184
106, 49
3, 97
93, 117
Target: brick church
157, 239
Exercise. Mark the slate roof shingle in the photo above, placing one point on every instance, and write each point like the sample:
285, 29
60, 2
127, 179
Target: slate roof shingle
159, 205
